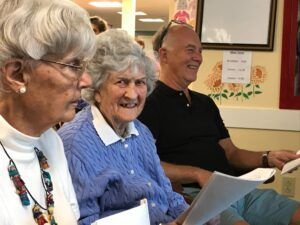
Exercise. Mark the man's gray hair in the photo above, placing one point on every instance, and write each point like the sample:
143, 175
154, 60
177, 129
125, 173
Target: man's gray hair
31, 29
117, 51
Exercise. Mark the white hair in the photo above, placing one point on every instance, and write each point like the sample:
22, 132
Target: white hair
31, 29
116, 51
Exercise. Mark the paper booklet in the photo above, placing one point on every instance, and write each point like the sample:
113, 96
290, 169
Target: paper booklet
291, 165
221, 191
136, 216
217, 195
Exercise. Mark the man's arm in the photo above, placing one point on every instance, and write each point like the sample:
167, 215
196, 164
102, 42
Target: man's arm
246, 159
186, 174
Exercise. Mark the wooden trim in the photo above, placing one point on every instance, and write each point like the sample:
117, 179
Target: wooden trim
287, 98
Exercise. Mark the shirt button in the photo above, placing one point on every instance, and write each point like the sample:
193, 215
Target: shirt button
153, 204
131, 171
180, 93
188, 105
149, 184
126, 146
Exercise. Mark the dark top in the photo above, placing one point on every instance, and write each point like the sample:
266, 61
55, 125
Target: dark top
186, 134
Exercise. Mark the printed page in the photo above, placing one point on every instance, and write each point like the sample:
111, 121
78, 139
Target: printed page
135, 216
291, 165
221, 191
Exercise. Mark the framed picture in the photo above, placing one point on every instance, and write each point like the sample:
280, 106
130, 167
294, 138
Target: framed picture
236, 24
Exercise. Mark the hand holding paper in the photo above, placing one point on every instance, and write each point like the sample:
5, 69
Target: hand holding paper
291, 165
221, 191
217, 195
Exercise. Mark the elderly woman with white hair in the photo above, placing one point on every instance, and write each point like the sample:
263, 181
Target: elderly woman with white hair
112, 156
43, 48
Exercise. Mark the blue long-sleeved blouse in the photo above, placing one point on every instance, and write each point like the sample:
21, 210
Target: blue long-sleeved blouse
109, 179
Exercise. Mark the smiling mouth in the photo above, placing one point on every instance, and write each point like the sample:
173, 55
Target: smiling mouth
193, 67
128, 105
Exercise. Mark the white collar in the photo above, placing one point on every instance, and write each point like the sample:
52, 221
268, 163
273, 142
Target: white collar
104, 130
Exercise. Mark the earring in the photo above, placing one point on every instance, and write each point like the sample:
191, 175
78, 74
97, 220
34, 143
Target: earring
22, 90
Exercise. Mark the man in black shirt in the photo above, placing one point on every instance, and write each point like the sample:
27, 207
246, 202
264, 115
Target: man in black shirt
192, 140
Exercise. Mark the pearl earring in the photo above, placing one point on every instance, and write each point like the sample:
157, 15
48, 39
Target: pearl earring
22, 90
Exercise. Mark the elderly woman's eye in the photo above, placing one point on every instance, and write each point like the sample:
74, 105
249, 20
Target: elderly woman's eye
121, 82
140, 82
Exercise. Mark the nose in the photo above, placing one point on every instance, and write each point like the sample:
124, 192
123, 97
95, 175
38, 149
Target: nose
85, 80
131, 92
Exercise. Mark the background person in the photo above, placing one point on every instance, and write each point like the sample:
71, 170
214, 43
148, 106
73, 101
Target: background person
192, 140
140, 42
99, 25
41, 75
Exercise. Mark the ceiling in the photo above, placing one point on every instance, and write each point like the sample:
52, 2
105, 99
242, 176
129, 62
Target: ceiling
153, 9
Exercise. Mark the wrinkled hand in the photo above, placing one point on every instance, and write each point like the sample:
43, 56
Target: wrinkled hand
172, 223
279, 158
213, 221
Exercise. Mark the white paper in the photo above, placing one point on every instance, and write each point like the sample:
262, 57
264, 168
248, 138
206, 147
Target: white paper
291, 165
221, 191
236, 67
135, 216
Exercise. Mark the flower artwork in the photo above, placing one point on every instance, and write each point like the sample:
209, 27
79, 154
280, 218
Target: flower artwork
224, 91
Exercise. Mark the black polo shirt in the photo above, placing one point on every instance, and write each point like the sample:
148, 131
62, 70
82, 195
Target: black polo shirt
186, 134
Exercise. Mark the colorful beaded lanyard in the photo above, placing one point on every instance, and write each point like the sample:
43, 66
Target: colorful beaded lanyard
23, 192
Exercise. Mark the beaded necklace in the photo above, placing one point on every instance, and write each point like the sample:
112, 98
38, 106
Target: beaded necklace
23, 192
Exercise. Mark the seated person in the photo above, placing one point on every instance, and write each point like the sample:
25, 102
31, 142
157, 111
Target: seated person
192, 140
43, 48
112, 156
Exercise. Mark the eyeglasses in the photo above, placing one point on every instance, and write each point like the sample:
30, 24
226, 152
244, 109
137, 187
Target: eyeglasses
165, 30
78, 69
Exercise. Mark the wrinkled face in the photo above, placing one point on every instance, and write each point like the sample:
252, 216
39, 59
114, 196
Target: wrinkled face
122, 96
184, 56
53, 91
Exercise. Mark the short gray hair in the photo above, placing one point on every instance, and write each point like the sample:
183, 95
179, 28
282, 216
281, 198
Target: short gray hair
36, 28
117, 51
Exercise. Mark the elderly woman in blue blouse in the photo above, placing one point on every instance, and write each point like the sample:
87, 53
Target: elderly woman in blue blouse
112, 156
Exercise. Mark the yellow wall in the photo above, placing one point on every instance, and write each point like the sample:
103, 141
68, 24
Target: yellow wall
266, 140
258, 139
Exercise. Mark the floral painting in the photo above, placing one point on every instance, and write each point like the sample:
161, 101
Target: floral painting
224, 91
185, 11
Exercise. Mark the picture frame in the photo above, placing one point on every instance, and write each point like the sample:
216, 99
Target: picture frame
236, 24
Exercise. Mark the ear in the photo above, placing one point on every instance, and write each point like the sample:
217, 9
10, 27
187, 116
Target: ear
162, 52
97, 98
13, 75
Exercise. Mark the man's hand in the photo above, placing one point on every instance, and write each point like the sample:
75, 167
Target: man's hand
279, 158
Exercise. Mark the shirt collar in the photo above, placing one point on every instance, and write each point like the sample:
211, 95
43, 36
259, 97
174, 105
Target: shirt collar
165, 88
104, 130
170, 91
